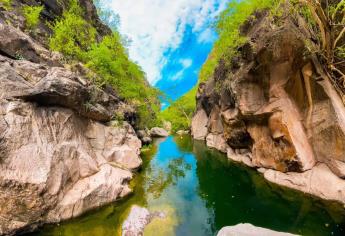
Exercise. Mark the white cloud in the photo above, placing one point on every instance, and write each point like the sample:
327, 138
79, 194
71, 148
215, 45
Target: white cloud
206, 36
186, 63
178, 75
157, 25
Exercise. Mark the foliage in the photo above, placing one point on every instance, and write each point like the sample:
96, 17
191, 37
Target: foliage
76, 39
7, 4
228, 29
32, 15
181, 111
72, 33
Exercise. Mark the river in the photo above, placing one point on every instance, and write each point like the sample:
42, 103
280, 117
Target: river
201, 191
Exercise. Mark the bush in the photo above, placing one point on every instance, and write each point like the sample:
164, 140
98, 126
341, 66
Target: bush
180, 112
32, 15
7, 4
227, 27
73, 35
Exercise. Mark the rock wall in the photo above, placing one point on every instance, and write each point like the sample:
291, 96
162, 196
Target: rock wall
271, 107
60, 152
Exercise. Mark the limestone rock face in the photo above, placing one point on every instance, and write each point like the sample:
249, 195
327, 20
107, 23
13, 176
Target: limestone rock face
199, 125
249, 230
60, 153
276, 102
319, 181
217, 141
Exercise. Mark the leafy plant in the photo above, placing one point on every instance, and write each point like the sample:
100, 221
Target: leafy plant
32, 15
228, 29
73, 35
7, 4
180, 112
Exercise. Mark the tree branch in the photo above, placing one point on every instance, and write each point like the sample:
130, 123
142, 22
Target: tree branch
339, 37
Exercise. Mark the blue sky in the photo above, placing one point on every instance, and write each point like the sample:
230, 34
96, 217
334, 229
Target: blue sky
170, 39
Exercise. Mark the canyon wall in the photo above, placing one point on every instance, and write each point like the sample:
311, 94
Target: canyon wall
272, 108
60, 152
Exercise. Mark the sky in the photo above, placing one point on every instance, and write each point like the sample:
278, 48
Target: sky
169, 39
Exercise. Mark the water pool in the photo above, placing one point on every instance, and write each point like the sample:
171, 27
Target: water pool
201, 191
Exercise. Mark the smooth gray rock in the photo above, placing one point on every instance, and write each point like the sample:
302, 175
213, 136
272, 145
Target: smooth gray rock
137, 220
158, 132
249, 230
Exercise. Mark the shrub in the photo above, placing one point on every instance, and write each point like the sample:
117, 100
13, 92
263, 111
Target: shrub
180, 112
228, 26
7, 4
32, 15
109, 59
73, 35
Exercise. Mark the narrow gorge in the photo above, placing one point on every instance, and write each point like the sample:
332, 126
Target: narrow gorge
89, 145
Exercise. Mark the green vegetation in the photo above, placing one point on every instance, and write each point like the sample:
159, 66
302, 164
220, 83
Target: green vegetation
32, 15
76, 39
180, 112
227, 27
73, 35
6, 4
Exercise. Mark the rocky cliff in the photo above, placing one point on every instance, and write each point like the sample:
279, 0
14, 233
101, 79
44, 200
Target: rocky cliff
60, 152
272, 108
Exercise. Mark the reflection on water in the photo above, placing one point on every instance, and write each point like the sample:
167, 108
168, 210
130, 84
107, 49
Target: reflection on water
201, 191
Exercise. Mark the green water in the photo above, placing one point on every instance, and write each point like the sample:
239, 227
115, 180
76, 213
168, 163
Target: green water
201, 191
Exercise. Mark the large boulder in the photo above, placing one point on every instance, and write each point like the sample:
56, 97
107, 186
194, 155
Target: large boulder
17, 45
199, 125
137, 220
55, 165
249, 230
56, 86
158, 132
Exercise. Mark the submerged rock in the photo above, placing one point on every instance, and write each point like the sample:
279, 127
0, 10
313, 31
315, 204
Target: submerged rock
158, 132
137, 220
249, 230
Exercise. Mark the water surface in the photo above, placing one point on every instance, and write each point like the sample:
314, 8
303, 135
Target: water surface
201, 191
